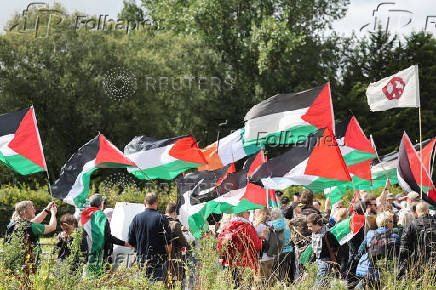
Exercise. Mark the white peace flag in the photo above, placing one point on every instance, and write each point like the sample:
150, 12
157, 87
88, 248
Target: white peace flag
398, 90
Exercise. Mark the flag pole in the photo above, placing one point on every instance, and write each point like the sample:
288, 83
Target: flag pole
49, 186
420, 144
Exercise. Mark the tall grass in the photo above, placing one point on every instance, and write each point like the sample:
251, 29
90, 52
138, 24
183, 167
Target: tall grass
207, 272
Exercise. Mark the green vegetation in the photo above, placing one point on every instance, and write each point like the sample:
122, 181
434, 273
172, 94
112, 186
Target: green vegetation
208, 275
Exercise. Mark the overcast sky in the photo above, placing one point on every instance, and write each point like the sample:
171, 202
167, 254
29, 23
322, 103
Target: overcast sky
404, 15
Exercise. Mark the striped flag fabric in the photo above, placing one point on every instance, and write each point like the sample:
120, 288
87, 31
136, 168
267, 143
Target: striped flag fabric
354, 145
412, 174
20, 144
358, 153
163, 158
317, 166
227, 151
93, 221
73, 184
289, 118
200, 194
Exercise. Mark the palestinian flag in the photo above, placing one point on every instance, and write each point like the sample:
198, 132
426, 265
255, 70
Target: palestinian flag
358, 153
380, 171
428, 154
360, 174
344, 231
289, 118
94, 222
73, 184
221, 191
226, 151
164, 158
20, 144
354, 145
317, 166
412, 175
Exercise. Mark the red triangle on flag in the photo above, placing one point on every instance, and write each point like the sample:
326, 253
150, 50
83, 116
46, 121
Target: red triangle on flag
258, 160
415, 164
108, 153
320, 113
26, 140
326, 159
186, 149
362, 170
356, 139
427, 154
255, 194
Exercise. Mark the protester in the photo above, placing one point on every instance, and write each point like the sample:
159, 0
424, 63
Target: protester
372, 249
284, 205
239, 245
403, 221
284, 264
150, 234
64, 240
99, 237
418, 240
324, 246
262, 221
180, 247
316, 204
371, 207
27, 226
288, 212
353, 248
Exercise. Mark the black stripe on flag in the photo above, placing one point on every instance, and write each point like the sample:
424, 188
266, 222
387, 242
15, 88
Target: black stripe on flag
197, 182
144, 143
341, 128
74, 166
280, 165
404, 171
10, 122
284, 102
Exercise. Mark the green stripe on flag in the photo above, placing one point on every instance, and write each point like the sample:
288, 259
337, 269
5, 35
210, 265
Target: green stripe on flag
322, 183
293, 135
165, 171
341, 230
198, 221
98, 225
80, 199
306, 256
357, 156
20, 164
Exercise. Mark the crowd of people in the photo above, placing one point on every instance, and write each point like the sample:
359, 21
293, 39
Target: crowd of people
273, 243
397, 230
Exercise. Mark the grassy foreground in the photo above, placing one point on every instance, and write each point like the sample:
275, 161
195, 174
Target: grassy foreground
207, 272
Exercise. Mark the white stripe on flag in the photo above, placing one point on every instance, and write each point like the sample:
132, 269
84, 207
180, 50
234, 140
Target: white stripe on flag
274, 123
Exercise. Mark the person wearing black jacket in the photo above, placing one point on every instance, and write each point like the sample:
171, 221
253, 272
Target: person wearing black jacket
64, 240
150, 234
353, 249
413, 249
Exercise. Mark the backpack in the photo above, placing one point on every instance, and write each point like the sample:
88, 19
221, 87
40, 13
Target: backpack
381, 246
276, 242
427, 241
